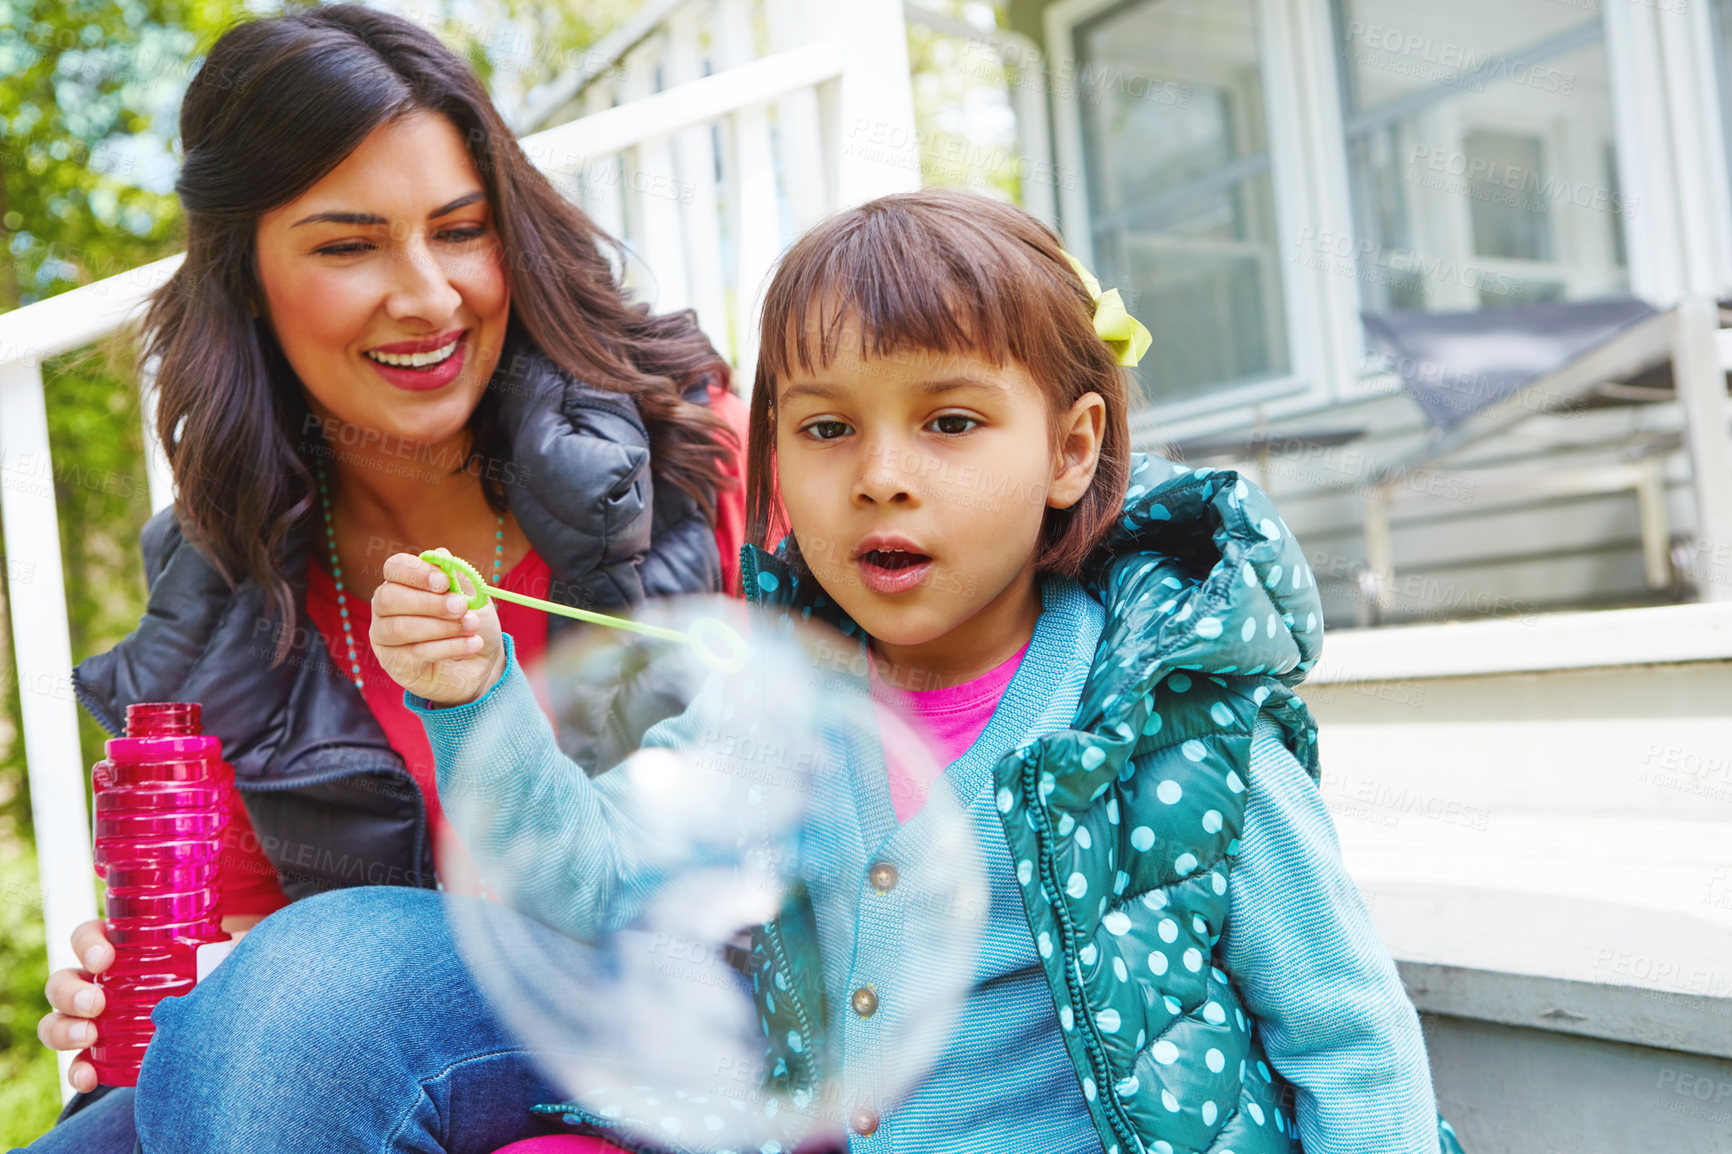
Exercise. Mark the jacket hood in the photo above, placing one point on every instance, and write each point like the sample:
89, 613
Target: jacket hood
1199, 573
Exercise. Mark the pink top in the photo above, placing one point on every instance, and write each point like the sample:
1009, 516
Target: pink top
953, 718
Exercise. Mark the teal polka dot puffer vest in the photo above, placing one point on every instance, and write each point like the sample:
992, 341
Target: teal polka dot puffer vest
1124, 827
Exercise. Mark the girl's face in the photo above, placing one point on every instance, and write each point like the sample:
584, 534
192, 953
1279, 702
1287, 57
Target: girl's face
916, 485
392, 253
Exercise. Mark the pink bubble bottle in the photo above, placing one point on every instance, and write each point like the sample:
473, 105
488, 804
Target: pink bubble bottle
162, 803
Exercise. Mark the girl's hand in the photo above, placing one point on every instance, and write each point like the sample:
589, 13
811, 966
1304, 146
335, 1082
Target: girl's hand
76, 999
428, 639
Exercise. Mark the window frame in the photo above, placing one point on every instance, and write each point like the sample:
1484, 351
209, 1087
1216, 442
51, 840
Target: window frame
1672, 147
1678, 240
1306, 380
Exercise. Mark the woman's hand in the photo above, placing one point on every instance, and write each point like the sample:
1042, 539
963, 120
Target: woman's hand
77, 999
428, 639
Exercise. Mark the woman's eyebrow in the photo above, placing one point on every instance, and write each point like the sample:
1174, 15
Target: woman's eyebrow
467, 198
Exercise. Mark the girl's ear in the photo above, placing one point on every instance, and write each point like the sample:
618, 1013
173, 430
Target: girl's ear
1079, 451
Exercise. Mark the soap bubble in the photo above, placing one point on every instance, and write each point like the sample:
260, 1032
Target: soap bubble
680, 945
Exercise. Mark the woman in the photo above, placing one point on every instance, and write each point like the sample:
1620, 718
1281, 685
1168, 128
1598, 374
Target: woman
390, 332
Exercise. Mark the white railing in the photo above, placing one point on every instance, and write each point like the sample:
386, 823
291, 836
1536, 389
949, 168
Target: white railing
702, 153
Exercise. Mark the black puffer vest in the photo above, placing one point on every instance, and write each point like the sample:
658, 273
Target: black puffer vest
330, 800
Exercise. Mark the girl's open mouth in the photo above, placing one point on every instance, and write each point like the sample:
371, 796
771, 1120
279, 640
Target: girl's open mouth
893, 570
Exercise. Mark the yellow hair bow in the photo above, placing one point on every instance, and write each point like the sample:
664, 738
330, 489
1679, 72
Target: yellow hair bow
1114, 324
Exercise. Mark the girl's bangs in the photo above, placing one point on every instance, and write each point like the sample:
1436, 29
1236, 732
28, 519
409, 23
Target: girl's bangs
893, 290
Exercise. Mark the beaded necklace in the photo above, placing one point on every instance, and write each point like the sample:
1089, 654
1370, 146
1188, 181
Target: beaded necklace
337, 568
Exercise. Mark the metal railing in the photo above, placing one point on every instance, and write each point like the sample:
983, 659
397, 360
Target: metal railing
701, 152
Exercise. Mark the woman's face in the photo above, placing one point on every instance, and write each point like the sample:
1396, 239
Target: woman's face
392, 255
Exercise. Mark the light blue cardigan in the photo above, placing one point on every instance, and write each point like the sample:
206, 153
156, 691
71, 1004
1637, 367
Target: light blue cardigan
1333, 1017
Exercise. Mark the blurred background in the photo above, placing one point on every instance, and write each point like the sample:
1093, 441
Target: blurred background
1444, 277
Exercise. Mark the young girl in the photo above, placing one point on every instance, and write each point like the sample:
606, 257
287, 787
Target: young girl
1173, 958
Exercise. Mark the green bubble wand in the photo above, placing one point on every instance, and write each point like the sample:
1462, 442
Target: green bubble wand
717, 644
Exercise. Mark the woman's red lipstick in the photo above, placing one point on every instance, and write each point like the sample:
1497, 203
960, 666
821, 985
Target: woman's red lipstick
425, 377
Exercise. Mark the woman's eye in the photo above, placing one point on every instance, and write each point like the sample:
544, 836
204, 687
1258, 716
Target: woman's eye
826, 430
952, 424
457, 235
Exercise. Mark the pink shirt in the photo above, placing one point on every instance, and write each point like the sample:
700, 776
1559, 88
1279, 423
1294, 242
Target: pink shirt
952, 718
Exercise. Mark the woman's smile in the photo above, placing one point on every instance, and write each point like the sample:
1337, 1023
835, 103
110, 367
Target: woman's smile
420, 368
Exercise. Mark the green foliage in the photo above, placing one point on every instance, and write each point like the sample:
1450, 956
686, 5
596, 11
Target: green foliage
28, 1073
81, 76
967, 136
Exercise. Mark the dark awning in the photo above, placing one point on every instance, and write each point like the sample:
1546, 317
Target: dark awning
1455, 364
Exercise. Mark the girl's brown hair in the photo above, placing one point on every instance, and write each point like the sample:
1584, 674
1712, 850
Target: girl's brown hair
953, 273
277, 104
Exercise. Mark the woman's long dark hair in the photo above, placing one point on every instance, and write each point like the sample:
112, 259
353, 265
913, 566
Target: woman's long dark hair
279, 103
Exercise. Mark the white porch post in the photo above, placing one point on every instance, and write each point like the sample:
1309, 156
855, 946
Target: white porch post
877, 152
42, 656
1701, 383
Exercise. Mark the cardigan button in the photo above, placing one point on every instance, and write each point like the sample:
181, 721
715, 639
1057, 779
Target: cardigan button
884, 877
865, 1002
864, 1121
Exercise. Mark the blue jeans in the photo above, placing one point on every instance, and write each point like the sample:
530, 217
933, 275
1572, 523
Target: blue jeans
101, 1123
344, 1022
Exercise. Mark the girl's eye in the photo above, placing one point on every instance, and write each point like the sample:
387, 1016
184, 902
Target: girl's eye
952, 424
826, 430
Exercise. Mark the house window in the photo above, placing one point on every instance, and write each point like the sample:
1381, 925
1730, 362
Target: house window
1481, 153
1519, 228
1181, 200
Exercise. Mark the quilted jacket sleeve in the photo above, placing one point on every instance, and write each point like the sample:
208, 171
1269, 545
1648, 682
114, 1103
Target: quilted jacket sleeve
582, 487
1344, 1033
187, 601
